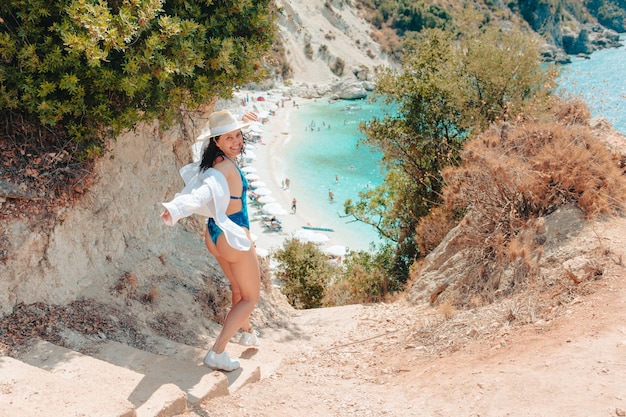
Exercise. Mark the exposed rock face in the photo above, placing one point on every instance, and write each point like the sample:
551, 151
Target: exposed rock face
115, 228
349, 90
446, 266
319, 34
339, 90
590, 38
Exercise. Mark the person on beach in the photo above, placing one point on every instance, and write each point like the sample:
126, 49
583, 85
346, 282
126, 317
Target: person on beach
331, 195
216, 188
287, 182
293, 205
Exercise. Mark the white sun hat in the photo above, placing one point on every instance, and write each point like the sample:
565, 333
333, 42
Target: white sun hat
220, 123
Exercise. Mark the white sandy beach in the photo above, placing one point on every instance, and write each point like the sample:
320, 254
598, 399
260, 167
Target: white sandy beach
269, 165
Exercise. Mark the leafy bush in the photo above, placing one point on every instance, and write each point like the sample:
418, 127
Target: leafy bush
338, 66
310, 279
82, 64
76, 72
308, 49
365, 279
610, 13
305, 273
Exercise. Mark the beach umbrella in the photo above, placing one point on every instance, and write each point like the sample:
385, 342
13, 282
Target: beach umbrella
249, 156
255, 132
257, 184
248, 169
256, 128
252, 176
310, 236
249, 146
336, 250
273, 209
262, 191
262, 252
264, 199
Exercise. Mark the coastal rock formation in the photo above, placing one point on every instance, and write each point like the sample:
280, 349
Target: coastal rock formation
335, 90
448, 264
349, 90
330, 40
589, 38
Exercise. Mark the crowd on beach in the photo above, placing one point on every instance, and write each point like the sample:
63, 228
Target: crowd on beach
271, 222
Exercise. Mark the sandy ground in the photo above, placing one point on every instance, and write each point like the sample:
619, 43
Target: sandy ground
374, 360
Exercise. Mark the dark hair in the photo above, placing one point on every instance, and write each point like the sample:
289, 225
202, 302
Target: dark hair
212, 152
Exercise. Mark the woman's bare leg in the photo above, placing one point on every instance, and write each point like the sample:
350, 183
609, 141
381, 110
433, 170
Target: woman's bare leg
244, 267
234, 287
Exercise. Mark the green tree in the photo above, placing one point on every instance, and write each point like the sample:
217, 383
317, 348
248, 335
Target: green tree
450, 88
75, 72
364, 278
305, 273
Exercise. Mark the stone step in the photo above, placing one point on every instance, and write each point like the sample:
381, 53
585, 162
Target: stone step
150, 384
249, 358
192, 377
29, 391
109, 380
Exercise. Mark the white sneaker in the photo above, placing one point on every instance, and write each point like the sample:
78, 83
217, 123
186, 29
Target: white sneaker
250, 338
220, 361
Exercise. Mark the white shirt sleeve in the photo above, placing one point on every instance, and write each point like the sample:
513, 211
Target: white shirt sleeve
195, 202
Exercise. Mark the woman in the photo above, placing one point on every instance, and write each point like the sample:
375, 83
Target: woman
216, 188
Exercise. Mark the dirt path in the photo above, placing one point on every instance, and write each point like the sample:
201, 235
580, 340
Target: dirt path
364, 361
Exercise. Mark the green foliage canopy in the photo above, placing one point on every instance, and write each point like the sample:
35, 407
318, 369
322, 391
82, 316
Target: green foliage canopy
80, 67
365, 278
305, 272
407, 15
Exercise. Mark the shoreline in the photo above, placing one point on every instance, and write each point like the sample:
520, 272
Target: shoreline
270, 167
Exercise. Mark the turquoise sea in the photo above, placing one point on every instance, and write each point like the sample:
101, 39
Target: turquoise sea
327, 135
601, 82
324, 156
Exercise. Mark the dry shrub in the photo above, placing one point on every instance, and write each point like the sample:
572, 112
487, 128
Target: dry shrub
339, 294
357, 286
513, 175
432, 229
151, 296
127, 285
447, 310
571, 112
266, 274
